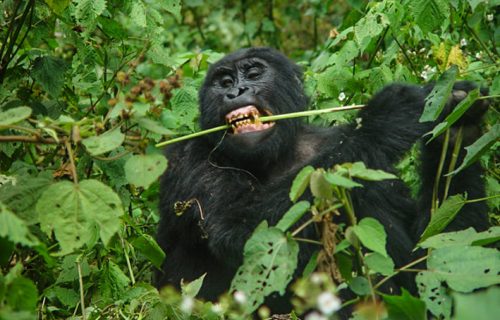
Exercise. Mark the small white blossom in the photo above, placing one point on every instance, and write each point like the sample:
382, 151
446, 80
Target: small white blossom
240, 297
217, 308
328, 303
316, 278
463, 42
490, 17
341, 96
479, 55
424, 75
187, 304
315, 316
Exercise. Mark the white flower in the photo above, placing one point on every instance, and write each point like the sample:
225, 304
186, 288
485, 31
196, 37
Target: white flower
328, 303
316, 278
187, 304
463, 42
341, 96
424, 75
315, 316
490, 17
240, 297
479, 55
217, 308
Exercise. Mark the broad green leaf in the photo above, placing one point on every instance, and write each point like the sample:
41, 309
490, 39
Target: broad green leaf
105, 142
172, 6
185, 105
270, 259
300, 183
466, 268
192, 288
152, 125
293, 215
49, 71
436, 100
455, 115
67, 297
478, 148
434, 294
467, 237
147, 245
379, 263
138, 14
372, 235
143, 170
360, 286
58, 6
443, 216
359, 170
112, 283
481, 305
474, 3
14, 115
69, 271
22, 294
320, 188
341, 181
76, 212
87, 11
429, 14
15, 229
405, 307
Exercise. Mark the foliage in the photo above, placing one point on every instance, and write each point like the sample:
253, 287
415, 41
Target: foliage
87, 88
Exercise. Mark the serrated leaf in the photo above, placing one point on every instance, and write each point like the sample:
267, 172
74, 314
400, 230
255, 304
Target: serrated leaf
76, 212
443, 215
14, 115
58, 6
293, 215
300, 183
15, 229
105, 142
22, 294
192, 288
465, 237
49, 71
405, 306
68, 297
143, 170
478, 148
185, 106
138, 14
379, 263
148, 246
372, 235
437, 98
429, 14
87, 11
172, 6
112, 282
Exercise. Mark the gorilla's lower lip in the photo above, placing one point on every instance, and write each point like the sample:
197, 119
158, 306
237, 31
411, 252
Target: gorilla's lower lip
247, 120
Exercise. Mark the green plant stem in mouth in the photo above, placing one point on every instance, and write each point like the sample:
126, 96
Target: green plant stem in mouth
263, 119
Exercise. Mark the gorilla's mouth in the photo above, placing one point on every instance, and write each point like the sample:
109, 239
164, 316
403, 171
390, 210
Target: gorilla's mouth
247, 119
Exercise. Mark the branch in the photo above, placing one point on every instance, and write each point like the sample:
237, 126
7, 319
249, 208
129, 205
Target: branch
31, 139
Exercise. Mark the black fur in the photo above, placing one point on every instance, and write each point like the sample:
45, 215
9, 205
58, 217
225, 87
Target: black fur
235, 184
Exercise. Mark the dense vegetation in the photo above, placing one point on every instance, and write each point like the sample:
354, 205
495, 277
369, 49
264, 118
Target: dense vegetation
89, 87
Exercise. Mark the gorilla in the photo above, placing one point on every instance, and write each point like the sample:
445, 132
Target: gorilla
228, 182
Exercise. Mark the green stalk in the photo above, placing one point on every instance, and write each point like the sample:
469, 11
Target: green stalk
263, 119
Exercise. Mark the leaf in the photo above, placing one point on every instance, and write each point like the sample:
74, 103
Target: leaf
105, 142
434, 294
76, 212
15, 229
14, 115
482, 305
300, 183
372, 235
22, 294
293, 215
270, 259
429, 14
467, 237
379, 263
138, 14
143, 170
455, 115
192, 288
320, 188
112, 282
360, 286
478, 148
148, 246
172, 6
185, 106
87, 11
359, 170
49, 72
58, 6
437, 98
338, 180
405, 306
443, 216
152, 125
68, 297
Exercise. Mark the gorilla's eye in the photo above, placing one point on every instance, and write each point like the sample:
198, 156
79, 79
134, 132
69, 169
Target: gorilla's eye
226, 81
253, 73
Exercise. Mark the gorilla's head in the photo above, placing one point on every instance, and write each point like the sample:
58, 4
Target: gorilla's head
241, 88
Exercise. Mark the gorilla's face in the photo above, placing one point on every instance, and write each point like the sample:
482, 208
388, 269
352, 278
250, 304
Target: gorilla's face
242, 88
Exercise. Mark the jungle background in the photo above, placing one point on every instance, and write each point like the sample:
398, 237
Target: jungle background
89, 87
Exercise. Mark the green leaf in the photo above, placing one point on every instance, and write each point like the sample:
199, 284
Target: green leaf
68, 297
15, 229
185, 106
338, 180
152, 125
22, 294
455, 115
14, 115
300, 183
270, 259
434, 294
320, 188
192, 288
143, 170
379, 263
443, 216
49, 72
478, 148
466, 237
436, 100
360, 286
359, 170
87, 11
105, 142
148, 246
58, 6
172, 6
76, 212
138, 14
405, 307
293, 215
112, 282
311, 265
372, 235
482, 305
429, 14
